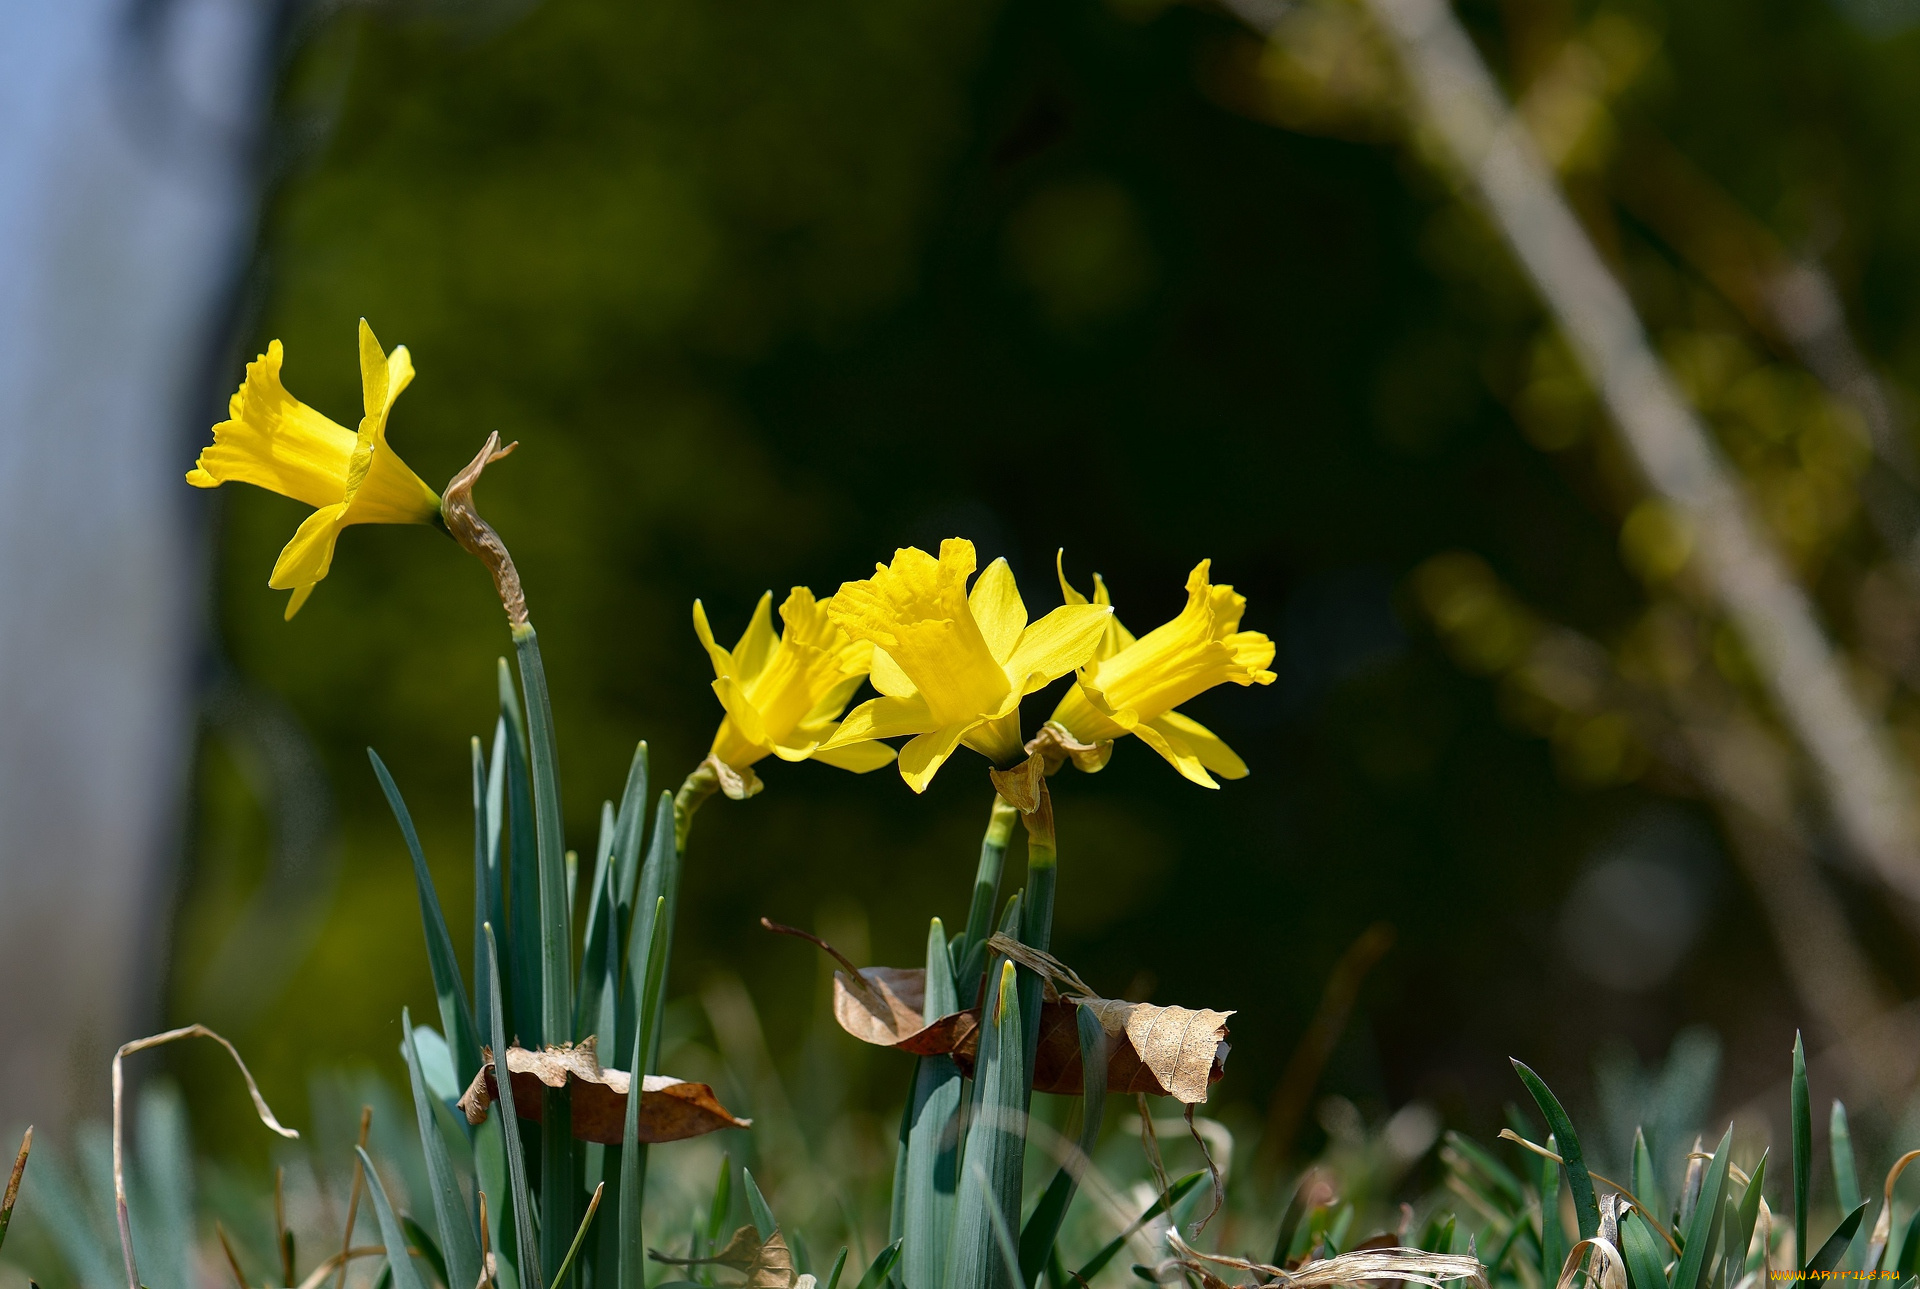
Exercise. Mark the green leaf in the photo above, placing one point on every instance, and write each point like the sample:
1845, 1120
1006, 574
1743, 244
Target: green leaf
1846, 1177
628, 827
1036, 929
456, 1018
722, 1201
1553, 1236
1291, 1216
757, 1205
1646, 1181
1586, 1209
839, 1265
424, 1245
988, 1207
1175, 1193
1440, 1236
659, 883
579, 1236
1740, 1234
489, 895
633, 1151
603, 913
930, 1166
1828, 1258
877, 1270
1802, 1148
1043, 1226
1909, 1261
525, 1245
1644, 1253
969, 950
1498, 1173
1709, 1215
523, 874
391, 1233
459, 1238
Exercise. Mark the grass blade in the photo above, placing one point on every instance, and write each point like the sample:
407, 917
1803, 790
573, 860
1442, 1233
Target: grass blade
877, 1271
459, 1238
602, 913
579, 1236
528, 1266
1909, 1260
1586, 1208
399, 1263
1740, 1235
659, 881
633, 1151
1709, 1217
1802, 1149
456, 1017
489, 894
1498, 1173
523, 873
1175, 1193
1646, 1182
1553, 1235
930, 1169
839, 1265
1043, 1227
763, 1221
1828, 1258
969, 951
628, 829
1644, 1253
1846, 1177
988, 1207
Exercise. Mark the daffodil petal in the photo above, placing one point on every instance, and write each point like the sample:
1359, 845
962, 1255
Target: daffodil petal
1170, 745
757, 642
298, 598
1067, 592
744, 715
722, 660
923, 756
998, 737
998, 608
306, 559
1056, 644
274, 441
887, 676
857, 757
1209, 748
382, 375
883, 718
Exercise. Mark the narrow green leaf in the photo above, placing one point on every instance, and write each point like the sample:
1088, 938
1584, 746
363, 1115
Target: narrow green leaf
1291, 1216
391, 1233
489, 894
456, 1017
523, 874
1740, 1234
425, 1246
722, 1201
1646, 1181
757, 1205
988, 1206
633, 1151
1498, 1173
930, 1164
459, 1237
1846, 1177
970, 949
1828, 1258
525, 1245
1909, 1260
1586, 1209
603, 909
877, 1270
1440, 1236
1507, 1245
659, 882
629, 827
1705, 1228
1175, 1193
1802, 1111
1036, 929
839, 1265
1043, 1226
579, 1237
1553, 1236
1644, 1252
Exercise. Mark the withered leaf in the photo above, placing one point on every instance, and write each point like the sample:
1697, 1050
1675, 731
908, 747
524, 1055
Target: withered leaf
670, 1109
888, 1013
767, 1264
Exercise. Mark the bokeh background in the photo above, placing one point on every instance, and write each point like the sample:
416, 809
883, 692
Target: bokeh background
765, 290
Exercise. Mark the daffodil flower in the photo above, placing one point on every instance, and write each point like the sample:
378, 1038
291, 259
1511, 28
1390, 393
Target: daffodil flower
952, 666
1133, 685
276, 442
784, 693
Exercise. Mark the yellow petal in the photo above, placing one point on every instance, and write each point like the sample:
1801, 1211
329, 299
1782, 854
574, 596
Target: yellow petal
1083, 713
1208, 747
920, 758
1115, 637
744, 715
274, 441
883, 718
887, 676
722, 660
1056, 644
734, 748
998, 738
1067, 592
757, 642
997, 607
298, 598
307, 557
857, 757
916, 609
382, 376
380, 487
1170, 744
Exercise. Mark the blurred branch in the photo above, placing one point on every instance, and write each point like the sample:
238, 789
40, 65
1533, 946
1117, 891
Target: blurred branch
1457, 99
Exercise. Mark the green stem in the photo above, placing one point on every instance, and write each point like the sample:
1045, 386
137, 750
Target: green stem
557, 1154
699, 785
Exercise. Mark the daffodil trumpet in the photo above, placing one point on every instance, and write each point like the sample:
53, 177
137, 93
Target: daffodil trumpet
272, 440
952, 663
1133, 685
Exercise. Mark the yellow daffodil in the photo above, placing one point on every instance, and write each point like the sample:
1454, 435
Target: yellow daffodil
952, 666
783, 693
1133, 685
276, 442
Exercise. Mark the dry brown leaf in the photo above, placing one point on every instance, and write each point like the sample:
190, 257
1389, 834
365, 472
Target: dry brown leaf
887, 1013
1883, 1225
766, 1264
1412, 1265
670, 1109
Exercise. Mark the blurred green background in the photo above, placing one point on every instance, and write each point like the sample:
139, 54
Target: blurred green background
767, 289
